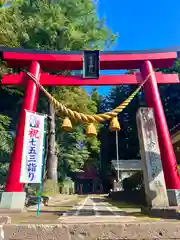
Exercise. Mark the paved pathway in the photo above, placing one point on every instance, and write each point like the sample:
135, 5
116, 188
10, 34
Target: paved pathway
94, 209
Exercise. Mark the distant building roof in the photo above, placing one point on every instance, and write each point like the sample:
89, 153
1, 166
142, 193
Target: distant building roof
127, 165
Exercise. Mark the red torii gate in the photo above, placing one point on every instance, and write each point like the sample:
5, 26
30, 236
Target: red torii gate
146, 61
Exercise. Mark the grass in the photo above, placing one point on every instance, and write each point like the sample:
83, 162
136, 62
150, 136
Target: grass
123, 204
130, 209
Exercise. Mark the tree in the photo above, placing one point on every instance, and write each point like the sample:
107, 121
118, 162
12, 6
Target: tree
10, 99
63, 25
6, 141
74, 147
170, 97
128, 138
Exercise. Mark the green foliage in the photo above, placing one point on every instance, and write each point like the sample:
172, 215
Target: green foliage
71, 157
171, 98
69, 151
67, 186
6, 141
77, 99
128, 136
61, 25
10, 100
2, 2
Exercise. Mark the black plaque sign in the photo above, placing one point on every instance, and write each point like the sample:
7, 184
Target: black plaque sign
91, 64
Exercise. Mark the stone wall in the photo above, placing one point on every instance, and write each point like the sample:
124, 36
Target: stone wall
92, 231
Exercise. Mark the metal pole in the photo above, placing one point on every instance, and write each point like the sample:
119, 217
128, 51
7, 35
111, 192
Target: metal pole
117, 155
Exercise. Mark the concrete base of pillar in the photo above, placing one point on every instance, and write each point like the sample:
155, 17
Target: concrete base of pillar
173, 197
164, 212
13, 200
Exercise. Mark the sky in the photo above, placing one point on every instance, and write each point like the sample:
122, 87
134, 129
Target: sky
141, 24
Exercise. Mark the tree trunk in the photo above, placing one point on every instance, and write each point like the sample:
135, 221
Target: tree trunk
52, 161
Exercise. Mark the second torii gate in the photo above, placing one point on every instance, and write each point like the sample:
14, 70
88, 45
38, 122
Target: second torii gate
146, 61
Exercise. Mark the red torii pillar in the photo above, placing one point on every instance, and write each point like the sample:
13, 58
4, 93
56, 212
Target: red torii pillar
153, 100
109, 60
30, 103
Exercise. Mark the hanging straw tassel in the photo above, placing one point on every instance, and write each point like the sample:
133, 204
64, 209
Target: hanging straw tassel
91, 130
67, 125
114, 124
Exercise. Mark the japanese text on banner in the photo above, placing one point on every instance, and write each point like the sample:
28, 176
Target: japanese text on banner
32, 148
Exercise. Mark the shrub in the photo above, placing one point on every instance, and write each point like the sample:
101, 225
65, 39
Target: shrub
134, 182
134, 189
50, 188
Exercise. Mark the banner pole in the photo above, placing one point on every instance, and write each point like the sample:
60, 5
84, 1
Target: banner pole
42, 170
